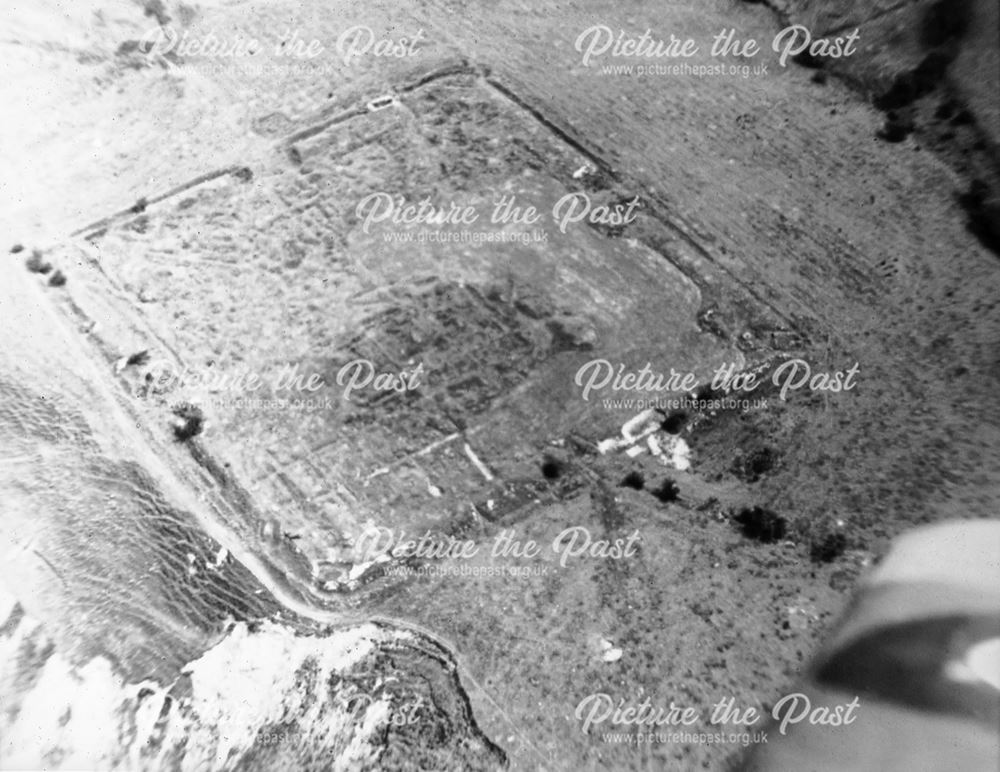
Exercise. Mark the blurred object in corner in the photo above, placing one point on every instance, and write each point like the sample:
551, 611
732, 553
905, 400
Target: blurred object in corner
919, 647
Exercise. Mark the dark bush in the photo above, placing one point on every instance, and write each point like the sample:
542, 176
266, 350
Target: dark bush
761, 524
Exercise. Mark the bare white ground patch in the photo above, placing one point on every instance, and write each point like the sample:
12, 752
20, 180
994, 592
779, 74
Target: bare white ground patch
669, 449
63, 716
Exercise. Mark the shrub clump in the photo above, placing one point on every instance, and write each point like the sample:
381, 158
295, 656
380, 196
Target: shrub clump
761, 524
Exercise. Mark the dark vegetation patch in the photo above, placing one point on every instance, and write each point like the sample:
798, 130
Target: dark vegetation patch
633, 480
565, 338
138, 358
57, 279
37, 264
806, 59
156, 10
946, 110
907, 87
945, 22
983, 211
192, 421
668, 491
674, 422
761, 524
896, 128
705, 392
751, 466
552, 468
943, 27
828, 547
962, 118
